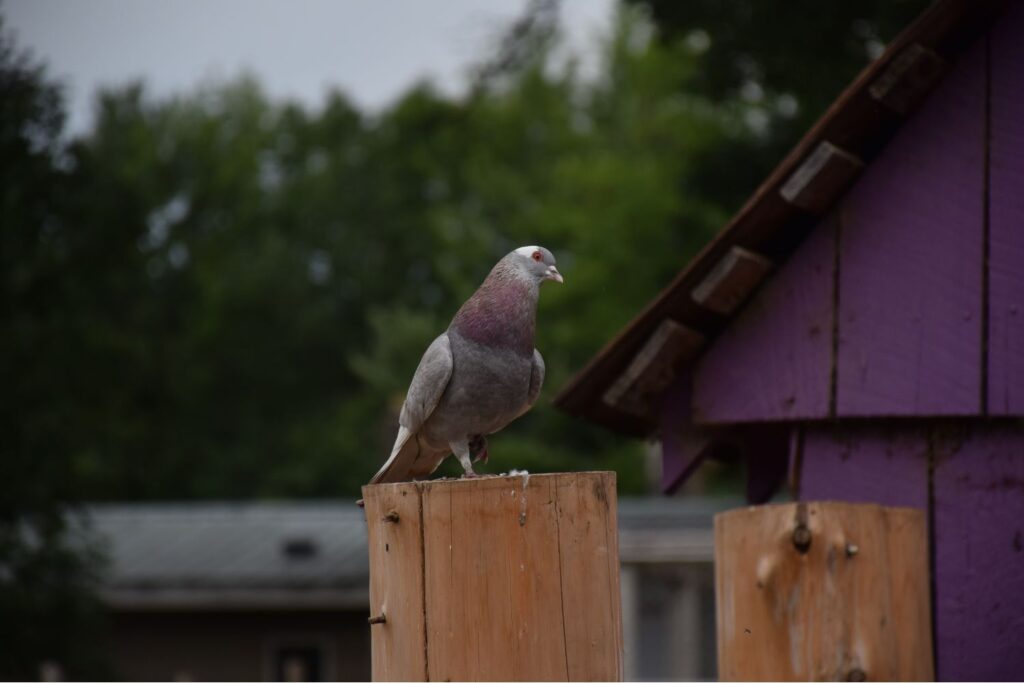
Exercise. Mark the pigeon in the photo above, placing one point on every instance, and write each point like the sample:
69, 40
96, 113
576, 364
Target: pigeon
478, 375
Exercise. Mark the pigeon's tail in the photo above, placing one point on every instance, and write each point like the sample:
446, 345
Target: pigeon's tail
410, 458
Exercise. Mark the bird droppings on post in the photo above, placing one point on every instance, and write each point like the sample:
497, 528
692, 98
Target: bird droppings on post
522, 502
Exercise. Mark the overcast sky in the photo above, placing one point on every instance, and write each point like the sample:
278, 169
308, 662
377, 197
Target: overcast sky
372, 49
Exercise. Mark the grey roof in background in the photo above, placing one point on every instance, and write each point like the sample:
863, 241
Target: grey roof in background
235, 555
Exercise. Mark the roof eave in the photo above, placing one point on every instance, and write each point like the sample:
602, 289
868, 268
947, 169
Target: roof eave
857, 124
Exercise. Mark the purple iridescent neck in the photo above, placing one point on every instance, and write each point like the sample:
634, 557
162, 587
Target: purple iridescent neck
502, 313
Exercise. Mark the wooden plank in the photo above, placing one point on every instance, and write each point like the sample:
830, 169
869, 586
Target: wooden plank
1006, 217
588, 546
651, 371
504, 620
774, 361
732, 280
979, 551
396, 581
520, 577
847, 601
865, 464
908, 79
821, 178
910, 272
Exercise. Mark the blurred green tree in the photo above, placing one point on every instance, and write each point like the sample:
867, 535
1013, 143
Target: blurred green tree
48, 573
244, 287
785, 61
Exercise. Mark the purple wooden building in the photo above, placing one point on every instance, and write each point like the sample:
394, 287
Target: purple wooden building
857, 329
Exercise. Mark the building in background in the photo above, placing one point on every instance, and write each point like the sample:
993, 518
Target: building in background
279, 591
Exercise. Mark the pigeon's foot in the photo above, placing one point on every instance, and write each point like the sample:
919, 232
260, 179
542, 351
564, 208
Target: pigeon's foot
471, 475
478, 448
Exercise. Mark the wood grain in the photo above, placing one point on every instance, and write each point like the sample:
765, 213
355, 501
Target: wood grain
854, 606
910, 272
396, 582
1006, 217
774, 361
588, 553
518, 575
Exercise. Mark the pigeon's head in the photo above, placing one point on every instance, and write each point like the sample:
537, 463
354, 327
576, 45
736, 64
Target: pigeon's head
538, 262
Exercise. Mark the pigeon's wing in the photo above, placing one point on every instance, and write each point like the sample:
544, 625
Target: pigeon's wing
536, 381
425, 391
428, 384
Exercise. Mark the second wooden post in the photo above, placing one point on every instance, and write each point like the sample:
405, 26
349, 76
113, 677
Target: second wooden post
498, 578
823, 591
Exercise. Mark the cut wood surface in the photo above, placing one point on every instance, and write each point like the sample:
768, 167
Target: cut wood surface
496, 578
823, 591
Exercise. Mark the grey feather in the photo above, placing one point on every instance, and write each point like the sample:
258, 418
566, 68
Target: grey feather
536, 381
408, 457
428, 384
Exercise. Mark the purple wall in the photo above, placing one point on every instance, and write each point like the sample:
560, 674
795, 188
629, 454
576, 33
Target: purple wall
910, 262
773, 362
1006, 217
865, 464
979, 554
912, 316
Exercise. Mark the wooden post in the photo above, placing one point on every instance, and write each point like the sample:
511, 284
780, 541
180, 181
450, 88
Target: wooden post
823, 591
497, 578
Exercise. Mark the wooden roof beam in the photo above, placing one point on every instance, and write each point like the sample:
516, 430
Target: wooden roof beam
653, 367
732, 280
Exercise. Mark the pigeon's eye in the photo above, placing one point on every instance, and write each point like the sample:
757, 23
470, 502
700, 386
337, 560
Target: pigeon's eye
537, 256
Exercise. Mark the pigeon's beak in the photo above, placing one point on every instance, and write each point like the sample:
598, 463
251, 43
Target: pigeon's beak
553, 274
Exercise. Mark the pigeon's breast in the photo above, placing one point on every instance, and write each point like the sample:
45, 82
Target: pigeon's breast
487, 390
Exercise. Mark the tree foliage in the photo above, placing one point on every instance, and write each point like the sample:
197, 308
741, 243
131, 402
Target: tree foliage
230, 294
785, 61
47, 575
